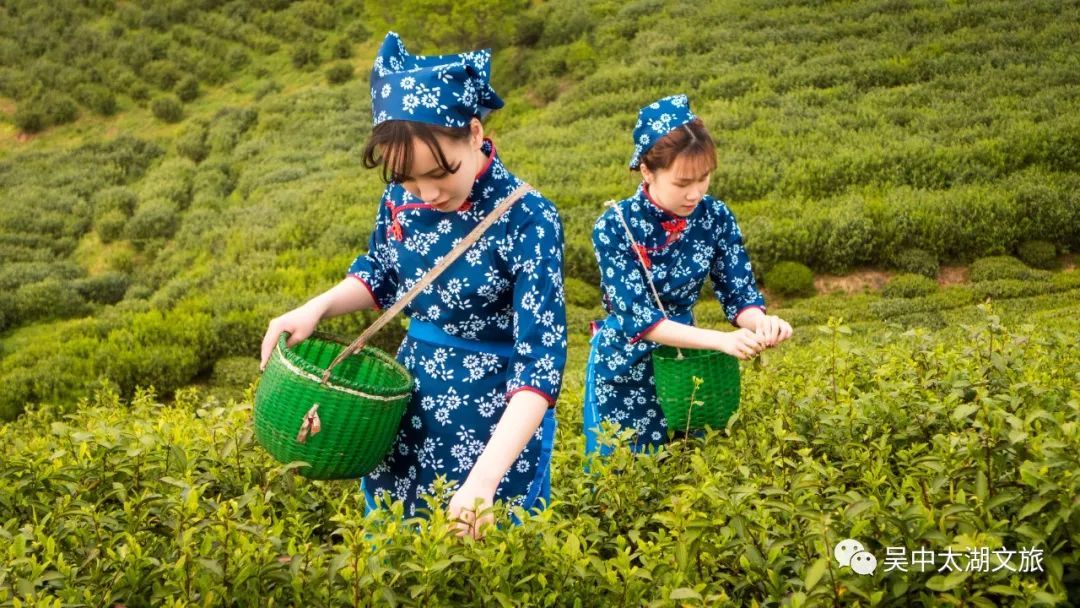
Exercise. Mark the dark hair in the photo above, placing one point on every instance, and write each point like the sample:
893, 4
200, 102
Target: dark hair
390, 146
690, 141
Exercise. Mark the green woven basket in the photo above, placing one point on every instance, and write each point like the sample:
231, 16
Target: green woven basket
718, 393
342, 429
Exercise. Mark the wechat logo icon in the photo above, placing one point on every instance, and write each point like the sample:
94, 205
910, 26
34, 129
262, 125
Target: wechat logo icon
850, 552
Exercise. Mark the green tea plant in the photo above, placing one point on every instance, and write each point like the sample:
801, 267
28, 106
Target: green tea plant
949, 440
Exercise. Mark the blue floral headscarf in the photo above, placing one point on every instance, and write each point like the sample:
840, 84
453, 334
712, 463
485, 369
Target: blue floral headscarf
444, 90
657, 120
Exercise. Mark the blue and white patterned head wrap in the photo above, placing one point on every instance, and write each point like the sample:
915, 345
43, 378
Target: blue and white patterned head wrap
657, 120
444, 90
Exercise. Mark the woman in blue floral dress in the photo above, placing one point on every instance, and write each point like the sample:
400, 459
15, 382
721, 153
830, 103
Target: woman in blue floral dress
683, 235
487, 341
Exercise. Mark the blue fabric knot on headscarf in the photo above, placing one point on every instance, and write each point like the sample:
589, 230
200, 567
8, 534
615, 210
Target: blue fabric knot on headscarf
657, 120
444, 90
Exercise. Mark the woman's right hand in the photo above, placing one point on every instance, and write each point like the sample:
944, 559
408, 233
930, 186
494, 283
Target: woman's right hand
741, 343
299, 322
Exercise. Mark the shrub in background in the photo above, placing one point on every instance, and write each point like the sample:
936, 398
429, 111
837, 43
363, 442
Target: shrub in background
580, 293
790, 279
909, 286
106, 288
156, 218
49, 299
167, 108
917, 261
1038, 254
188, 89
110, 225
339, 72
1000, 267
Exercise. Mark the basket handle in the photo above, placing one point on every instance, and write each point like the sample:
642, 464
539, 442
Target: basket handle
641, 258
430, 276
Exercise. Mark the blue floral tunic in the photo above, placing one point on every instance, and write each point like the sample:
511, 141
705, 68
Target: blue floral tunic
681, 252
492, 324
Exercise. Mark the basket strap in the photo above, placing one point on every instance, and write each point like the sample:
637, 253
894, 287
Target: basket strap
430, 276
641, 258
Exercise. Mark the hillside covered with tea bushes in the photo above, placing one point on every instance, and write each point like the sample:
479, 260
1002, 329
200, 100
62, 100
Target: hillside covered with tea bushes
151, 249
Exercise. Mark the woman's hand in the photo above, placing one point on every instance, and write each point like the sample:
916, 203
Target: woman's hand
741, 343
469, 516
772, 330
299, 322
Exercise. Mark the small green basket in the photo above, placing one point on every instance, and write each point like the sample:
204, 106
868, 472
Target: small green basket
718, 393
341, 428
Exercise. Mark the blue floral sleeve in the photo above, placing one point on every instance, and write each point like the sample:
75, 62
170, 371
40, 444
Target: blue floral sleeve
732, 278
622, 279
377, 269
535, 264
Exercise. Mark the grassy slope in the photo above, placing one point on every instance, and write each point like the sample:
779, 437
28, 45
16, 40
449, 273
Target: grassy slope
851, 111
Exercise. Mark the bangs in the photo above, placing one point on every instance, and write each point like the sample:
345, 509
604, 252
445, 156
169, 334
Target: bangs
694, 162
391, 147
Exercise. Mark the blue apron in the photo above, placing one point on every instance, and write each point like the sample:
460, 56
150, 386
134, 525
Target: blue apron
591, 413
432, 334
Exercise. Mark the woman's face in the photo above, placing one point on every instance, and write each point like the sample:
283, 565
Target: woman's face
443, 190
679, 188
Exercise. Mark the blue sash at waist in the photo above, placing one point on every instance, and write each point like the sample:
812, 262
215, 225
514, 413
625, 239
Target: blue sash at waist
433, 334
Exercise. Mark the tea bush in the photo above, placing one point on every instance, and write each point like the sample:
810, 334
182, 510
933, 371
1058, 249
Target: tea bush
339, 72
917, 261
49, 299
790, 279
192, 143
98, 98
909, 286
155, 219
580, 293
116, 198
110, 225
949, 440
105, 288
167, 108
1000, 267
17, 274
1038, 254
305, 56
188, 89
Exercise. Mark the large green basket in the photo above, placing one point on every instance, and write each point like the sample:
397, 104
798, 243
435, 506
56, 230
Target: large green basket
342, 429
718, 394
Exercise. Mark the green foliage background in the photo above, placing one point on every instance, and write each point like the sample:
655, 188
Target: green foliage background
137, 252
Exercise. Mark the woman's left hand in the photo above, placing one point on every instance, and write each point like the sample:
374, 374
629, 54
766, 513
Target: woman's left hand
773, 330
469, 516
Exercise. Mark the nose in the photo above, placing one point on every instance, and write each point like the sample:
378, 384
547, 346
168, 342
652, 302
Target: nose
429, 194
